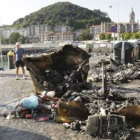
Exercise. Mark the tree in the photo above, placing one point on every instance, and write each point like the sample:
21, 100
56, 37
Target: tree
135, 36
108, 36
5, 40
68, 13
22, 39
138, 34
126, 35
85, 35
14, 37
102, 36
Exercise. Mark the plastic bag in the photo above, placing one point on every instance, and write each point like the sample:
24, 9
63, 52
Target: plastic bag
30, 102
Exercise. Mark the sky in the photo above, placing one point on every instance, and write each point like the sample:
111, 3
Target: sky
11, 10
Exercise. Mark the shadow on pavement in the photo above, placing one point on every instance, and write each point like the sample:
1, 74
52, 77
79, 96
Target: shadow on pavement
7, 133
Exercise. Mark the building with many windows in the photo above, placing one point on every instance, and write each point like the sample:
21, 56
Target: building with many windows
56, 36
22, 31
95, 29
34, 31
131, 26
6, 32
62, 28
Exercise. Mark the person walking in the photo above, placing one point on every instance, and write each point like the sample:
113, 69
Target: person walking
18, 58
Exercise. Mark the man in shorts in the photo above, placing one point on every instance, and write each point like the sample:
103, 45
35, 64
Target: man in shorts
18, 57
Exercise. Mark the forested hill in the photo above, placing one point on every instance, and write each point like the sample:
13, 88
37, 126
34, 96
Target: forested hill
63, 13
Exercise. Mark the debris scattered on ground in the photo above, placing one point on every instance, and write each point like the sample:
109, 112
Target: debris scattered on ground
63, 95
115, 73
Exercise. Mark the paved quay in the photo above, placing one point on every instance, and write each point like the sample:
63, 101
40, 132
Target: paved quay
11, 91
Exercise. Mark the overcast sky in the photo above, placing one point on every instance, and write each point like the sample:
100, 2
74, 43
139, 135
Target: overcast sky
11, 10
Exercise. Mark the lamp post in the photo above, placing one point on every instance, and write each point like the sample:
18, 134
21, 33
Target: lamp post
118, 18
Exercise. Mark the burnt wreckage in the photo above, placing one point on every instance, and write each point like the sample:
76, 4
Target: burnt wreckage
59, 71
80, 105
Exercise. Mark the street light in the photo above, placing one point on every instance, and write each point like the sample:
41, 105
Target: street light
118, 18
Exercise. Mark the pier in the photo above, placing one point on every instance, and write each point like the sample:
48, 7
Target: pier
29, 48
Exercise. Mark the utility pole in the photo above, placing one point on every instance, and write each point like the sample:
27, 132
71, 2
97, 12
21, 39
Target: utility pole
118, 18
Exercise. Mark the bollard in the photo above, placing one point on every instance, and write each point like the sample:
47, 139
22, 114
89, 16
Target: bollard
11, 60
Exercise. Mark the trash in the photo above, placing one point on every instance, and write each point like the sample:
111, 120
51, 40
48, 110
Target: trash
131, 112
102, 111
55, 99
45, 106
75, 125
70, 111
59, 71
103, 124
30, 102
66, 125
9, 117
106, 111
50, 94
77, 99
42, 119
28, 116
129, 81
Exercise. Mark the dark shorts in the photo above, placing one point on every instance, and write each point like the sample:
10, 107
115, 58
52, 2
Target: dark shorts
20, 63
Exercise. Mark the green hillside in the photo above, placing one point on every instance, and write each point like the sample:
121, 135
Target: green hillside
64, 13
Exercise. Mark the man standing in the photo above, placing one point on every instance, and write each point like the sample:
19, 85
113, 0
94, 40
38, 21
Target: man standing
18, 57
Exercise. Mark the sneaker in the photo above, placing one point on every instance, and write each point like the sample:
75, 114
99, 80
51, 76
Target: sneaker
17, 78
24, 78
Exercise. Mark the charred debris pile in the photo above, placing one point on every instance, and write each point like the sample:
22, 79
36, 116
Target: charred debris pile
64, 95
115, 72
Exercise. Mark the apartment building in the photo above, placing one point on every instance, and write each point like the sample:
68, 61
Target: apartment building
6, 32
131, 26
34, 31
62, 28
56, 36
95, 29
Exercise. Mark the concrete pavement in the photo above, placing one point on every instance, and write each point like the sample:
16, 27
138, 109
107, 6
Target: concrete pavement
11, 91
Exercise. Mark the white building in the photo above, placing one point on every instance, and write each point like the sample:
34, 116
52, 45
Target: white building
34, 31
6, 32
62, 28
22, 31
95, 29
56, 36
77, 33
